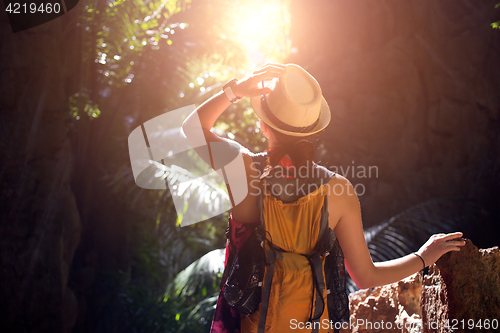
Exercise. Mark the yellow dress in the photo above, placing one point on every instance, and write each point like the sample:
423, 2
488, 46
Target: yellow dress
294, 227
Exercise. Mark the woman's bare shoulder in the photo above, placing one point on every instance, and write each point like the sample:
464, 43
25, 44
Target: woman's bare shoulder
339, 185
342, 199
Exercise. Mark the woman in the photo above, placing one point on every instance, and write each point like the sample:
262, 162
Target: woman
292, 112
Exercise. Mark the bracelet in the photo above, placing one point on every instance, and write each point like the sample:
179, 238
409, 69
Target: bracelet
418, 255
228, 90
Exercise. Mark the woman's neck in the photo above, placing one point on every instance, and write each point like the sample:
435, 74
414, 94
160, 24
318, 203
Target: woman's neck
274, 144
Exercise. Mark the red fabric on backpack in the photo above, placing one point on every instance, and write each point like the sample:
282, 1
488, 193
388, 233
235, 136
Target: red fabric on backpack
226, 319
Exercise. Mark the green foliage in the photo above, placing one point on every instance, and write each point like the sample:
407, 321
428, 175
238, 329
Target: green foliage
207, 195
242, 123
115, 37
496, 25
138, 297
81, 101
194, 292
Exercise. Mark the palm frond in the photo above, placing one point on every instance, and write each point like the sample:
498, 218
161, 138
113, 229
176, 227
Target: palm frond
195, 290
195, 197
201, 274
407, 231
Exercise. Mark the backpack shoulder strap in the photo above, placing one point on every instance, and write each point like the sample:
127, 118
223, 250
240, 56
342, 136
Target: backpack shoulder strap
324, 222
260, 161
325, 175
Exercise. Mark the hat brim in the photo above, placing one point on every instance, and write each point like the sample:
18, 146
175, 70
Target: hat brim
324, 117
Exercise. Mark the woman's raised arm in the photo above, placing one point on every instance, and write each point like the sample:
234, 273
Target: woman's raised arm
207, 113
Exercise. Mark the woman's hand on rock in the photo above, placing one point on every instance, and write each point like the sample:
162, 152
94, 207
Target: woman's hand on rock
439, 244
249, 86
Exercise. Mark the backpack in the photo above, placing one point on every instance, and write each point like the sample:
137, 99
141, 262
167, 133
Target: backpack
243, 286
243, 277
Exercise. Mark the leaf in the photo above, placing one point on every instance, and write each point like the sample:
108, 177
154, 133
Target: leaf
195, 197
199, 277
407, 231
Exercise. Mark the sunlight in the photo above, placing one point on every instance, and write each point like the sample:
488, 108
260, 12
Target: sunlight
262, 29
253, 32
254, 23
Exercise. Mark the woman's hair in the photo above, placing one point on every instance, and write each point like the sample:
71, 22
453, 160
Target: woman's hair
299, 149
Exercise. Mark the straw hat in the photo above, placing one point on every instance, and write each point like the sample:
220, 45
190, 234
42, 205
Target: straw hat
296, 106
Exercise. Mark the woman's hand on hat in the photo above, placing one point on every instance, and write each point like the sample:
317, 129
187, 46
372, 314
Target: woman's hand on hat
439, 244
249, 86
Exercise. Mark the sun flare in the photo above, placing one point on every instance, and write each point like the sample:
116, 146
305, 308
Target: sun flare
262, 28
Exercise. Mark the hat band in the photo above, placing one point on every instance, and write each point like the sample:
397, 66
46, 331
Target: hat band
282, 125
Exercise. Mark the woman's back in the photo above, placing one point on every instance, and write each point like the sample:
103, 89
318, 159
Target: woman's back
292, 204
294, 227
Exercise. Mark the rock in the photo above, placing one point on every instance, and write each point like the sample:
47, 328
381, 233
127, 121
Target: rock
390, 308
463, 288
460, 286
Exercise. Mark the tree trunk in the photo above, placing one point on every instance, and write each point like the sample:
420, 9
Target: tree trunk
39, 221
